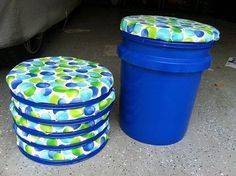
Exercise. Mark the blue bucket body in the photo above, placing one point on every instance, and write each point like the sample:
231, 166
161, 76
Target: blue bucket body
159, 83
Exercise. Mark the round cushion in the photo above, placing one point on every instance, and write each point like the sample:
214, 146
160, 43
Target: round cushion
59, 80
169, 29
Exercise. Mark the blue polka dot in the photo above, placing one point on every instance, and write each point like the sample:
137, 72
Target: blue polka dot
144, 33
69, 58
66, 77
88, 147
85, 94
50, 63
55, 58
95, 90
61, 101
47, 91
55, 111
81, 84
89, 110
45, 116
42, 85
25, 64
53, 66
29, 60
75, 100
28, 110
73, 63
32, 74
52, 153
81, 70
48, 78
76, 126
199, 33
12, 72
92, 123
15, 83
103, 140
82, 76
177, 36
71, 84
104, 90
93, 66
20, 95
46, 73
21, 145
67, 70
163, 26
106, 74
130, 28
62, 115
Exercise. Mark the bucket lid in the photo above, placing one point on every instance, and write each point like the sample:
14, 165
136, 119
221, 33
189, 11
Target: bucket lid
169, 29
59, 80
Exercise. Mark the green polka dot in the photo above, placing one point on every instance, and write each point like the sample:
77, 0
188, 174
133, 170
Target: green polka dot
60, 81
177, 30
98, 70
72, 93
20, 67
77, 151
188, 39
34, 70
54, 99
30, 91
38, 63
34, 114
152, 32
58, 70
9, 79
35, 137
94, 75
84, 126
104, 103
36, 80
23, 122
104, 116
60, 89
75, 113
29, 149
52, 142
68, 129
61, 74
78, 79
96, 84
75, 140
88, 135
46, 128
58, 156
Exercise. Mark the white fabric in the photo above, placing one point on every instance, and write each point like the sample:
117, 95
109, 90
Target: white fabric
22, 19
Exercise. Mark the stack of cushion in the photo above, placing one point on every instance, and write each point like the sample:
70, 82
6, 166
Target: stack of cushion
60, 107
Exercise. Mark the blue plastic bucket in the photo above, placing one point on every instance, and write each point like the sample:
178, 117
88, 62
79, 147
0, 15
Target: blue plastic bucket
159, 83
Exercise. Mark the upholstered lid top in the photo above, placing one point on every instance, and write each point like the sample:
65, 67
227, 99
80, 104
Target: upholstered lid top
169, 29
59, 80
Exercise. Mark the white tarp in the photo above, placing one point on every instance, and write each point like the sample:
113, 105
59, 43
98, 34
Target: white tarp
22, 19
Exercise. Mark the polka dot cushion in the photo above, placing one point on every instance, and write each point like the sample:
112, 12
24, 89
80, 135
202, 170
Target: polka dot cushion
54, 155
69, 114
52, 129
169, 29
60, 107
66, 141
59, 80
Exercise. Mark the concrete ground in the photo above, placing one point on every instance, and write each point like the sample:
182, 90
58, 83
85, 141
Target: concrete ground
208, 148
